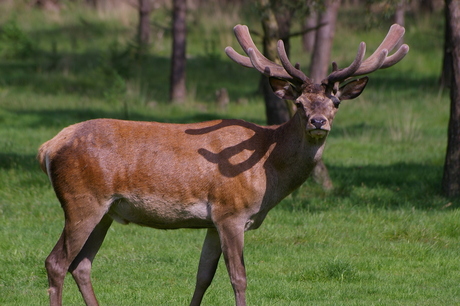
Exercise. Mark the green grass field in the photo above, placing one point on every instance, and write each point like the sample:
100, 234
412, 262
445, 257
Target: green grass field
384, 236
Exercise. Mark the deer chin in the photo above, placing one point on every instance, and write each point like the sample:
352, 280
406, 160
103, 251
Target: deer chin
318, 133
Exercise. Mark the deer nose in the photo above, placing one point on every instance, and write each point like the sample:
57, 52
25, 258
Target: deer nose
318, 122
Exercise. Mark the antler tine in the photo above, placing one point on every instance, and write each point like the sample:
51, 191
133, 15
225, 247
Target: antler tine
396, 57
293, 71
370, 66
342, 74
244, 39
394, 35
378, 59
257, 63
238, 58
257, 60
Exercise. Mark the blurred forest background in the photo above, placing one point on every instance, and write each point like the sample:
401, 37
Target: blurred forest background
103, 46
385, 234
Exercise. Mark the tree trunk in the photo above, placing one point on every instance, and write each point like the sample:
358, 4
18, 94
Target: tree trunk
451, 178
321, 57
178, 91
275, 108
445, 80
283, 19
427, 6
321, 176
320, 61
399, 13
308, 38
48, 5
143, 29
399, 18
92, 3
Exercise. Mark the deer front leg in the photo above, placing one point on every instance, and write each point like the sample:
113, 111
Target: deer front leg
209, 259
232, 241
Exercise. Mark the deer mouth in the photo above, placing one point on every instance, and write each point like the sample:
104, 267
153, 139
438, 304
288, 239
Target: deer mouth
318, 133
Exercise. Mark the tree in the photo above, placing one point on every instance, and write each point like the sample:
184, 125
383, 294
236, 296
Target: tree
277, 26
145, 7
321, 56
399, 12
276, 18
451, 177
275, 108
178, 91
308, 37
49, 5
399, 16
92, 3
319, 67
427, 5
447, 66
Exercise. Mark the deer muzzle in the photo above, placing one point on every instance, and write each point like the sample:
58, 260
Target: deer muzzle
318, 127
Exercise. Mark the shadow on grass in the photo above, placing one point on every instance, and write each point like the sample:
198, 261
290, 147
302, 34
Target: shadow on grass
396, 176
392, 186
23, 172
402, 82
18, 161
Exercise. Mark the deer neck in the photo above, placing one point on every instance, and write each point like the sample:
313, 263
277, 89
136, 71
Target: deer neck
295, 146
294, 155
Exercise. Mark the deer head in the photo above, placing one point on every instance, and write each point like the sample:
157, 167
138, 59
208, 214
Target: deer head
318, 102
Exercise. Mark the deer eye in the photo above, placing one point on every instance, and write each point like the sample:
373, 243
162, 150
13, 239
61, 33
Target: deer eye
336, 101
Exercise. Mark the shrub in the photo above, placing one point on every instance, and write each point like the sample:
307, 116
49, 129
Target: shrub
14, 42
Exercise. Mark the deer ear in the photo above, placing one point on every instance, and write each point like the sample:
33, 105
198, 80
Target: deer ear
283, 89
352, 89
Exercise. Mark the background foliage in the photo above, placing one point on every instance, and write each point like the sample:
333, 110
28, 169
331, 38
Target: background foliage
384, 236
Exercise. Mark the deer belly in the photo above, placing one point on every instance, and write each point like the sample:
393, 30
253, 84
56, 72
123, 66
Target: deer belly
160, 214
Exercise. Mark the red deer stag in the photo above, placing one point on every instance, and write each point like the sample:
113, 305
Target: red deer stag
222, 175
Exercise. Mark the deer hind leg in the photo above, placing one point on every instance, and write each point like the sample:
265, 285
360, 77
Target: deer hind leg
81, 265
76, 231
231, 235
209, 259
